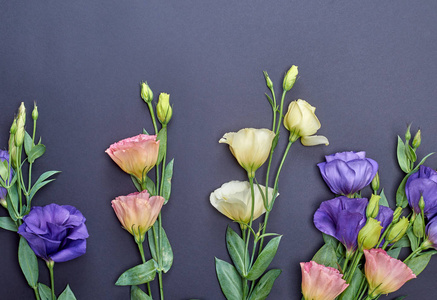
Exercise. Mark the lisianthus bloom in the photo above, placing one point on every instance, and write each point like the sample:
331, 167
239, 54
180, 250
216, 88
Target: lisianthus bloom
302, 123
137, 212
431, 234
4, 166
234, 200
343, 219
348, 172
384, 273
55, 232
136, 155
251, 147
320, 282
423, 183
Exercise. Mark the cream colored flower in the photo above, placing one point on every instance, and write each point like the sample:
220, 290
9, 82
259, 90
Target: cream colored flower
234, 200
251, 147
302, 123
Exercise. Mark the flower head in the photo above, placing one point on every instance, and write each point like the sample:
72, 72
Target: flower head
348, 172
251, 147
431, 233
55, 232
320, 282
163, 108
137, 212
234, 200
384, 273
302, 123
423, 183
136, 155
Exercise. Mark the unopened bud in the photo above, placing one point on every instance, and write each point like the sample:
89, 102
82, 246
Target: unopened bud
13, 129
421, 203
398, 230
369, 235
375, 182
417, 140
290, 78
146, 92
35, 112
163, 108
372, 209
397, 214
19, 137
408, 134
4, 203
268, 80
418, 227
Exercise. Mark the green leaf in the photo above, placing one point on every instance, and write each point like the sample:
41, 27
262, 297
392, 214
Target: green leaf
162, 138
36, 152
145, 131
45, 293
138, 275
28, 143
167, 252
354, 286
136, 183
42, 182
137, 294
236, 247
229, 279
412, 238
166, 184
326, 256
383, 201
270, 100
400, 298
67, 294
411, 154
402, 243
330, 240
8, 224
28, 262
150, 186
275, 142
265, 284
264, 259
394, 252
418, 264
402, 157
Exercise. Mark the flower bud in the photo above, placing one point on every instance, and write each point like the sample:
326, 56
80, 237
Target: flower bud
375, 182
417, 140
369, 235
398, 230
13, 129
35, 112
4, 203
146, 92
418, 228
268, 80
372, 209
421, 203
12, 149
163, 109
408, 134
397, 214
19, 137
290, 78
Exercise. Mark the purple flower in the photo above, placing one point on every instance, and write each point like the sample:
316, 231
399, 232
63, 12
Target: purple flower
348, 172
431, 233
4, 156
423, 183
343, 218
55, 232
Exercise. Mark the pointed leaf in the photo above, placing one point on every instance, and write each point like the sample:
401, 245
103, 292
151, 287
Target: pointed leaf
236, 247
136, 183
137, 294
42, 182
383, 201
402, 158
412, 238
145, 131
326, 256
28, 262
353, 288
400, 298
166, 184
264, 259
162, 138
67, 294
150, 186
394, 252
330, 240
8, 224
36, 152
45, 293
167, 252
229, 279
138, 275
418, 264
265, 284
28, 144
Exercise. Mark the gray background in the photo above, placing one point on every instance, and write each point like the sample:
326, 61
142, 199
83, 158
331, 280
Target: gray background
368, 66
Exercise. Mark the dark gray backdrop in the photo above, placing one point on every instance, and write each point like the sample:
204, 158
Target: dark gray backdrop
369, 67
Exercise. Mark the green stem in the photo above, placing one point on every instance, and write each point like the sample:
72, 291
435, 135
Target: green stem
281, 109
19, 179
161, 289
152, 114
35, 289
413, 254
266, 218
143, 259
356, 260
50, 265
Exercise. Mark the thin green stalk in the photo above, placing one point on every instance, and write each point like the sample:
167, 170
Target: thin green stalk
50, 265
356, 260
413, 254
281, 109
35, 289
152, 114
18, 179
143, 259
161, 289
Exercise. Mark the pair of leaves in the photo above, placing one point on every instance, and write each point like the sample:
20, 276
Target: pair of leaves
42, 181
166, 251
46, 294
33, 151
138, 275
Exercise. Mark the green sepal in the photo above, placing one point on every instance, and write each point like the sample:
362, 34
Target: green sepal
28, 262
36, 152
402, 157
265, 284
166, 183
45, 293
167, 252
270, 101
145, 131
264, 259
67, 294
42, 182
326, 256
419, 263
28, 143
136, 183
8, 224
411, 154
353, 288
138, 275
162, 138
149, 186
137, 294
236, 247
229, 279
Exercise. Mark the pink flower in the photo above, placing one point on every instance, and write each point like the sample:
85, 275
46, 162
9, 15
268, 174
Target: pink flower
384, 273
320, 282
137, 212
136, 155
